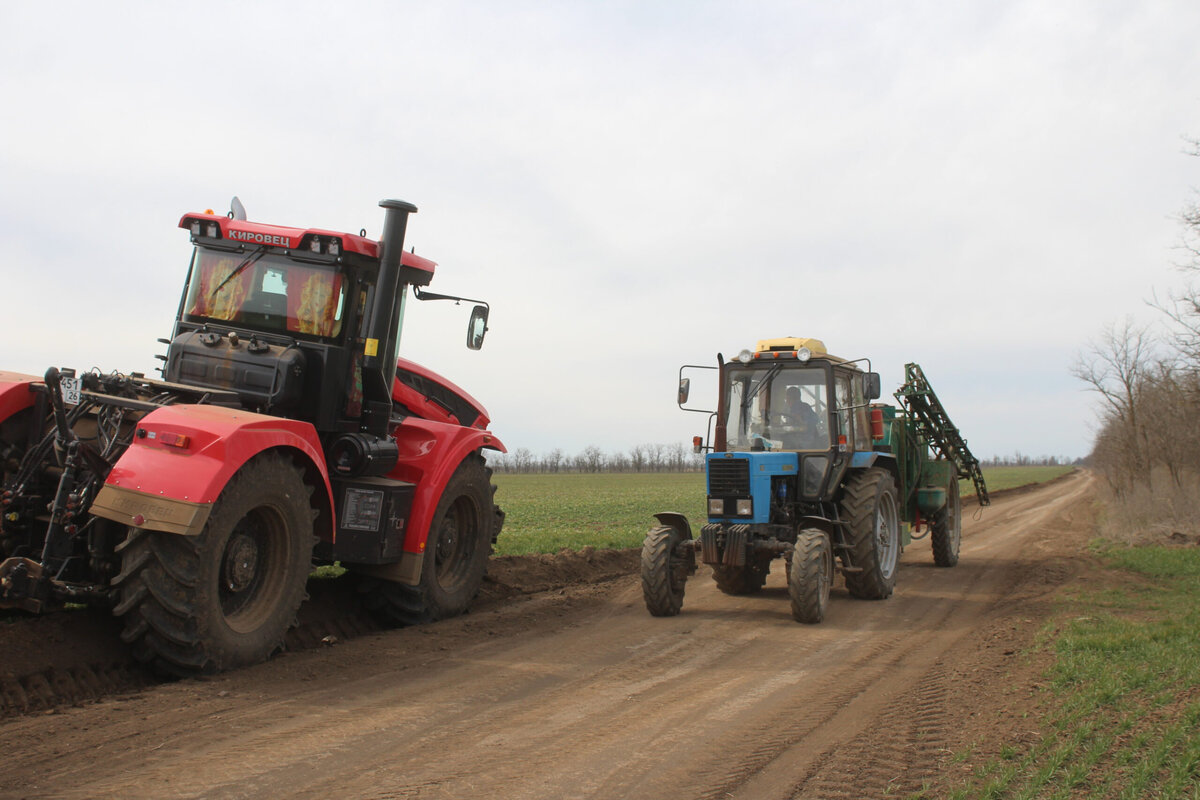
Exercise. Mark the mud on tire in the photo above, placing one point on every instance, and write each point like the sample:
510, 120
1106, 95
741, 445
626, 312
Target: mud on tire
461, 533
223, 598
869, 505
810, 573
663, 573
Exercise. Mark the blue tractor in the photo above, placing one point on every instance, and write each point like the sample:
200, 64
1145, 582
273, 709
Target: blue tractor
803, 466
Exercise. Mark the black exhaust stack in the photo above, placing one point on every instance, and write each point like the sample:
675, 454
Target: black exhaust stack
379, 360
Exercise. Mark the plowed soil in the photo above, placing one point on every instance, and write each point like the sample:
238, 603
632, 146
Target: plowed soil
560, 685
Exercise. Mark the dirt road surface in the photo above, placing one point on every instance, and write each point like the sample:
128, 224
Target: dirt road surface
579, 693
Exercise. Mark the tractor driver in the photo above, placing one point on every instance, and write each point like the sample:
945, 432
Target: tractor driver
802, 422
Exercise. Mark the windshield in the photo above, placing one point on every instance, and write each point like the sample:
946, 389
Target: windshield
780, 407
265, 292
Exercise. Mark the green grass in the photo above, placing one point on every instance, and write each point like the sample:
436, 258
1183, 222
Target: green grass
998, 478
547, 513
1124, 718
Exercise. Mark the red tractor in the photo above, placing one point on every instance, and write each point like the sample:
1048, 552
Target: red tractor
284, 432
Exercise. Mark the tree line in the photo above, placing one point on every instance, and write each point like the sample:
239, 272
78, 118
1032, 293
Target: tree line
673, 457
1147, 380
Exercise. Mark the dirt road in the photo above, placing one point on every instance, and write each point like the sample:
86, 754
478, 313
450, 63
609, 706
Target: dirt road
580, 693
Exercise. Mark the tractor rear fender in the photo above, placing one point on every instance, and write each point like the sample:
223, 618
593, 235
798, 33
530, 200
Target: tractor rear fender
182, 456
430, 452
677, 521
14, 393
871, 458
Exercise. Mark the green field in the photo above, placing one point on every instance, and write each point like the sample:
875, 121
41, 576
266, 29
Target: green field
1123, 714
998, 478
547, 513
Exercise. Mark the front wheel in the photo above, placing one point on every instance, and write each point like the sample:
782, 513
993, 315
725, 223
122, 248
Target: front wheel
456, 554
663, 572
946, 531
223, 598
809, 576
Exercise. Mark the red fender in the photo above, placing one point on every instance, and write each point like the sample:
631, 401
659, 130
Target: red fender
430, 452
14, 393
191, 472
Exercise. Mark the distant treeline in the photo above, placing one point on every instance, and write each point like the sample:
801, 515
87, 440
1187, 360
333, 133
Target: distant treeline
1019, 460
641, 458
673, 457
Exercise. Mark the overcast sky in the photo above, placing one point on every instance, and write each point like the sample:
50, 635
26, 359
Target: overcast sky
977, 187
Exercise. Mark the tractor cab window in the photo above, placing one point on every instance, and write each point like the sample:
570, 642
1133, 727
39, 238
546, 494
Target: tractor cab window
265, 292
845, 410
776, 407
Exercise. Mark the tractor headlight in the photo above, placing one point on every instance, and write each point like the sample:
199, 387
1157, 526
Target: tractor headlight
745, 507
716, 507
804, 354
745, 356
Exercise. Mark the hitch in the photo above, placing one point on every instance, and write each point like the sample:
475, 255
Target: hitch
23, 584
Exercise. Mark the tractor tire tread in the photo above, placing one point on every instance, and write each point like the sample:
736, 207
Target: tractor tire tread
169, 614
860, 498
400, 605
662, 589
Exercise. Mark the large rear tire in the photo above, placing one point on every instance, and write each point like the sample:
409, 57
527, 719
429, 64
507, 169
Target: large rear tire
946, 531
223, 598
460, 540
664, 574
809, 576
869, 504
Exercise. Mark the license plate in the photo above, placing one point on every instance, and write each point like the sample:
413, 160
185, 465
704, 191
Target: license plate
70, 390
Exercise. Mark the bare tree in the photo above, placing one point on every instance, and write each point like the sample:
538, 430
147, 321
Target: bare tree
1116, 368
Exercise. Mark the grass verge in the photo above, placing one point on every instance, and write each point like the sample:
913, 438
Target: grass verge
1123, 698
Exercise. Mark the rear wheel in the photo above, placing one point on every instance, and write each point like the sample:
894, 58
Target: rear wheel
223, 598
664, 573
946, 531
456, 554
869, 504
809, 575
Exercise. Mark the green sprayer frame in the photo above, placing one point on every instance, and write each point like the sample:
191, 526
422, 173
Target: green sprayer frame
928, 423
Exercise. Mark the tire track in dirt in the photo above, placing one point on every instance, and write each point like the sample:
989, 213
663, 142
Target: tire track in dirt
580, 693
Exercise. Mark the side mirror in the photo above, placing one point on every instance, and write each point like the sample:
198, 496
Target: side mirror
871, 385
477, 327
685, 386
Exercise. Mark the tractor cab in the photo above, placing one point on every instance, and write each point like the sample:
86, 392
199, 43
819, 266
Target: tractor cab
791, 394
293, 322
789, 416
304, 323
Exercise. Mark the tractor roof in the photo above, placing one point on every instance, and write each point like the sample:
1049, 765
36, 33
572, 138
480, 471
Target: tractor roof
288, 238
790, 347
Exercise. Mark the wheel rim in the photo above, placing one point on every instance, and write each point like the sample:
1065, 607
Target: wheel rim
887, 538
251, 577
456, 542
